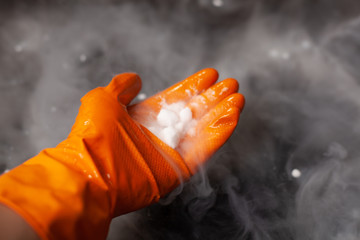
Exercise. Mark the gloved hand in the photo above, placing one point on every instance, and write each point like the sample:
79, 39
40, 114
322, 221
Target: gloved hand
110, 164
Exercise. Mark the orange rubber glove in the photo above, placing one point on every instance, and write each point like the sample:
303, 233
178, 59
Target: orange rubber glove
110, 164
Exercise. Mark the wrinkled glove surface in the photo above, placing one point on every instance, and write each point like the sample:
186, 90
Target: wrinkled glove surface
110, 164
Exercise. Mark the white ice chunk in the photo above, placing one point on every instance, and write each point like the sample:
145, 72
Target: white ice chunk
167, 118
175, 107
185, 115
296, 173
172, 123
141, 96
170, 136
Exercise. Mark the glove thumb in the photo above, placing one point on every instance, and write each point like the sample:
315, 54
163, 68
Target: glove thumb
124, 87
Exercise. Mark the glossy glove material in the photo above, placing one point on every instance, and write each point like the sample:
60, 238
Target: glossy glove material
110, 164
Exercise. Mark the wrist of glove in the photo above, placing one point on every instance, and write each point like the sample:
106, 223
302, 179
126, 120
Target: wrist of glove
110, 164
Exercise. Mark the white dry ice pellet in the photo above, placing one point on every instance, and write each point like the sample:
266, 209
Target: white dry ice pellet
172, 123
170, 136
167, 118
141, 96
185, 115
176, 107
296, 173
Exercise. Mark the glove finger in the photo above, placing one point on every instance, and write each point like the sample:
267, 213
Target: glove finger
124, 87
190, 86
211, 131
213, 119
205, 101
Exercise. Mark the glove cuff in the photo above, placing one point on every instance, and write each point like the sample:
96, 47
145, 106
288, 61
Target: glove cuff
56, 200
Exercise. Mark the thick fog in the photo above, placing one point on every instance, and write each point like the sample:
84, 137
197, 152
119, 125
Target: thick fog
290, 170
